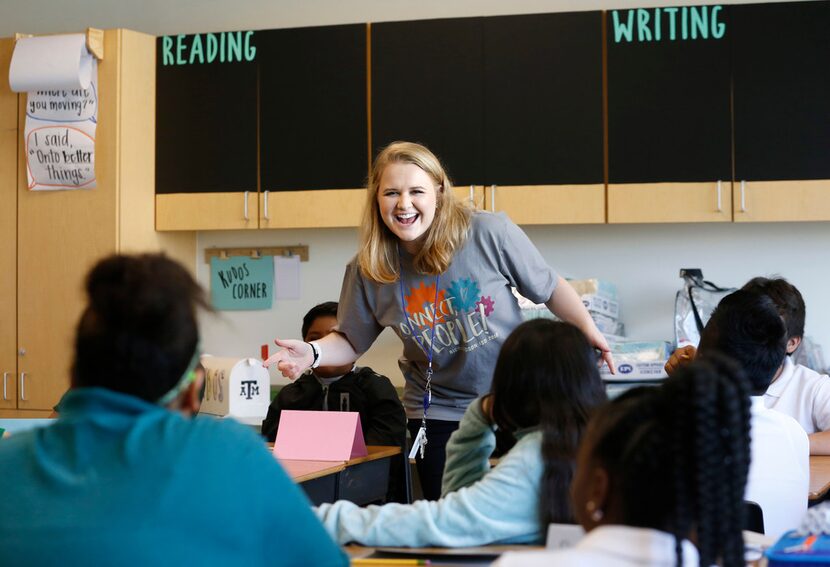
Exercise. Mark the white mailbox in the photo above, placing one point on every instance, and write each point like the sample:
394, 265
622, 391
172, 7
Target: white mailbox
236, 387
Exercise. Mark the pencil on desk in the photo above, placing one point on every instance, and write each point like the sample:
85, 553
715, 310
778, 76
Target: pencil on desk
378, 561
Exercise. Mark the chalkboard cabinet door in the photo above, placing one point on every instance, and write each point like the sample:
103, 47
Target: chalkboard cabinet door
782, 111
206, 131
543, 130
669, 117
427, 87
313, 108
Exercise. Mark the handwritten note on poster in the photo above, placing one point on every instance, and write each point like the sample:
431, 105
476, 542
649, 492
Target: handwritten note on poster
242, 283
60, 137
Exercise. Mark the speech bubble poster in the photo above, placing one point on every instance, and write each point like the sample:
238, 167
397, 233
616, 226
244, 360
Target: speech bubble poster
60, 137
242, 283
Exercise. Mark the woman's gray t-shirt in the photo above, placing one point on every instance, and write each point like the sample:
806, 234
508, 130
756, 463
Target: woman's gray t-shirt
476, 311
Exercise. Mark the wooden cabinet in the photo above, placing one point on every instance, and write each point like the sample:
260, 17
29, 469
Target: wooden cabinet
61, 234
8, 233
669, 116
782, 115
206, 131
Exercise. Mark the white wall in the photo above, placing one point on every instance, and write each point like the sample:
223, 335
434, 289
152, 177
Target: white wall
642, 259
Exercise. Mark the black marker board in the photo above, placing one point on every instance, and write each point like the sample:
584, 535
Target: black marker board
669, 117
427, 87
205, 124
782, 91
543, 99
313, 108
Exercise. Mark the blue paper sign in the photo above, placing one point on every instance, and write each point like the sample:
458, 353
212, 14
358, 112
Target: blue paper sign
242, 283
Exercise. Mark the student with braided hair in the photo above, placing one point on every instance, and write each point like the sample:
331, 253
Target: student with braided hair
659, 467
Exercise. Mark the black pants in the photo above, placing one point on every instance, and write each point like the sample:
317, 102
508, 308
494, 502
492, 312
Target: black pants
431, 467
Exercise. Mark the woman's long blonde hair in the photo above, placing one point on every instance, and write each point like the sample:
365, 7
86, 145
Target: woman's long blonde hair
378, 256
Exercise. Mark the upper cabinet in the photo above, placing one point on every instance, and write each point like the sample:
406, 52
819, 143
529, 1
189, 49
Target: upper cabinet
313, 125
543, 129
511, 102
669, 117
246, 117
782, 111
206, 131
428, 87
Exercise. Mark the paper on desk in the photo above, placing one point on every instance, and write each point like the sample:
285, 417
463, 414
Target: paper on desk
286, 277
319, 436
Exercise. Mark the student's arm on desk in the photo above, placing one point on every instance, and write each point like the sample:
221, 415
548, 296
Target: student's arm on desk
500, 508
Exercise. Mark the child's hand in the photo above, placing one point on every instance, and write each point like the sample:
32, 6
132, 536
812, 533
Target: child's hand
487, 407
679, 358
293, 359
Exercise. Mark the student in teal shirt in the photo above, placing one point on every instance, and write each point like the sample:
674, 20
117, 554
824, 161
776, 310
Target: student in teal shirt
126, 476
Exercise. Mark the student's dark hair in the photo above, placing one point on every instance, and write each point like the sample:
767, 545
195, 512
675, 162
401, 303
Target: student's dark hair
546, 375
138, 333
325, 309
678, 455
787, 299
746, 327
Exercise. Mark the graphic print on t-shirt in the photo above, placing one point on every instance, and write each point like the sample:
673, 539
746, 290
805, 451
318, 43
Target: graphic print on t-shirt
460, 313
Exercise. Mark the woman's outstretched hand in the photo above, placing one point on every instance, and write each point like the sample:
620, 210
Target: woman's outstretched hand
293, 359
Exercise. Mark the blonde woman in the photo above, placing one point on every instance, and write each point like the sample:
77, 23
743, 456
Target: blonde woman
440, 275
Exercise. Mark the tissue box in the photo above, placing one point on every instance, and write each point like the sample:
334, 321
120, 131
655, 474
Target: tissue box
638, 360
235, 387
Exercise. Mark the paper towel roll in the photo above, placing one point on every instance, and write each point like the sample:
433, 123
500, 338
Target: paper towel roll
50, 63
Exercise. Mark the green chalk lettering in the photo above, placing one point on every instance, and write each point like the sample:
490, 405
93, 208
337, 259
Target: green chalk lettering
623, 30
684, 20
672, 22
718, 28
700, 22
181, 46
167, 50
250, 50
657, 30
643, 33
196, 50
221, 48
234, 47
212, 47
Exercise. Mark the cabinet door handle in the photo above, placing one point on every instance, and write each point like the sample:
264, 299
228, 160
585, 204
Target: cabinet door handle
245, 207
23, 387
743, 195
472, 196
493, 198
720, 209
265, 205
5, 390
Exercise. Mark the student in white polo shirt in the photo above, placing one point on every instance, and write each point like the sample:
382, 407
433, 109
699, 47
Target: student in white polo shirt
746, 327
797, 391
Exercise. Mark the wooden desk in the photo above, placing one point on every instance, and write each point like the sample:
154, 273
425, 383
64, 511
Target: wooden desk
819, 476
361, 480
455, 556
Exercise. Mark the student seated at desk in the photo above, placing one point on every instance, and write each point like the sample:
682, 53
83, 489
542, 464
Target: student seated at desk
125, 476
659, 466
796, 390
746, 327
545, 385
341, 388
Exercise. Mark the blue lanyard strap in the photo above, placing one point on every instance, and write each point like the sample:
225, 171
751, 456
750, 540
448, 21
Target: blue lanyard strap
428, 387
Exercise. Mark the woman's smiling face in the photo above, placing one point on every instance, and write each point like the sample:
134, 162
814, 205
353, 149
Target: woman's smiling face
407, 199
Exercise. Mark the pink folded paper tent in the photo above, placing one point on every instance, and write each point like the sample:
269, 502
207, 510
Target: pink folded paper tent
319, 436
